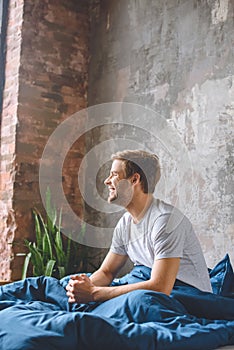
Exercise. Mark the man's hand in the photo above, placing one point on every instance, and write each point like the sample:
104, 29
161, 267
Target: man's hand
80, 289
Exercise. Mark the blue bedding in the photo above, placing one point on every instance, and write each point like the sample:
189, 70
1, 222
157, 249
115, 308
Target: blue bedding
35, 315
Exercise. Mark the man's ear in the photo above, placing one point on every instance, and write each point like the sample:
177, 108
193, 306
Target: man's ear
136, 178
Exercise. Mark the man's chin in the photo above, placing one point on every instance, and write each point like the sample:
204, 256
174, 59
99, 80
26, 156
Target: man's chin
112, 199
118, 201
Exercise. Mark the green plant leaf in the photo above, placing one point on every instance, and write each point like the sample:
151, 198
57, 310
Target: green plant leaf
42, 223
25, 266
68, 254
60, 220
51, 214
52, 254
36, 258
62, 271
58, 240
49, 267
38, 230
50, 225
60, 255
47, 247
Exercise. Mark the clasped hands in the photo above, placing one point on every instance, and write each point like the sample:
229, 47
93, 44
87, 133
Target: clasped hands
80, 289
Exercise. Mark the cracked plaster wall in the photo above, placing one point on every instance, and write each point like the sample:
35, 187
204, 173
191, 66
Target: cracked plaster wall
176, 58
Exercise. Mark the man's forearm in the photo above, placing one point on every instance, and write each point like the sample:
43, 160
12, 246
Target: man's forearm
100, 278
100, 293
82, 289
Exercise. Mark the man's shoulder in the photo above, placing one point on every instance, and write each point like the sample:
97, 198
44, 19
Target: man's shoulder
124, 220
165, 208
162, 207
166, 211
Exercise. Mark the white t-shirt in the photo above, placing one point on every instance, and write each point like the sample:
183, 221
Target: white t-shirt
163, 232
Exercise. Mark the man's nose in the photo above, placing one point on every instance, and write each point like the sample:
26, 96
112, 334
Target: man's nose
107, 180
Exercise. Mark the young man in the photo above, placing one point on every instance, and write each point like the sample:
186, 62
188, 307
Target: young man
151, 233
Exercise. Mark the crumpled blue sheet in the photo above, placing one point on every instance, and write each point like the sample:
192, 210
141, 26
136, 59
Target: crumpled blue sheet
35, 314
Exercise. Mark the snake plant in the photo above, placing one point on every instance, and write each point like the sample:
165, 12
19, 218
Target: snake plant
52, 254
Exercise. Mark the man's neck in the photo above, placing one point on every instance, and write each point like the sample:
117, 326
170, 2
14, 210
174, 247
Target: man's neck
139, 205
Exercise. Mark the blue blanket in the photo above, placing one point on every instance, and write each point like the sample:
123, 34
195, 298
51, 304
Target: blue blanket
35, 315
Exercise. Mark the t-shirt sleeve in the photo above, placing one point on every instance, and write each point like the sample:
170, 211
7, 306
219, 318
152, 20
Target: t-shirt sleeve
117, 244
169, 236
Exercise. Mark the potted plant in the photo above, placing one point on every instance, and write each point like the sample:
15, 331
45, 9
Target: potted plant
53, 254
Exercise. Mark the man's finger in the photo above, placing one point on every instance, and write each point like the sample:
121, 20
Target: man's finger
76, 277
71, 300
70, 286
84, 277
70, 294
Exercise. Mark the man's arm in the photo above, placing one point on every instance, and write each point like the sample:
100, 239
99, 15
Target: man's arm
162, 279
102, 277
108, 269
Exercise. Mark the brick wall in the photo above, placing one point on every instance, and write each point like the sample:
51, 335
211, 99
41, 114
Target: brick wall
8, 136
46, 82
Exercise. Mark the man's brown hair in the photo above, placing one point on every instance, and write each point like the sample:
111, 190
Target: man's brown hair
144, 163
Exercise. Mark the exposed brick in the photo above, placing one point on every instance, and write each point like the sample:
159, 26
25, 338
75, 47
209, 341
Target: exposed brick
46, 82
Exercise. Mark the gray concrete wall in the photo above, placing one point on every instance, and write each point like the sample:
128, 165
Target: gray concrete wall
176, 58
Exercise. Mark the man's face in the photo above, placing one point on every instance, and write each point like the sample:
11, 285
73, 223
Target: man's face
120, 191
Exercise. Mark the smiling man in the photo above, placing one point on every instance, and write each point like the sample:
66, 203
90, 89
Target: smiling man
151, 233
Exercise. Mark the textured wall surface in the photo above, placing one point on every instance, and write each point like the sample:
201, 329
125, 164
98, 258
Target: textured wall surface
46, 82
176, 58
8, 138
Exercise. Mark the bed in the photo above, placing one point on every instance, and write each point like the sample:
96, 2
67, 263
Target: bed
35, 314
